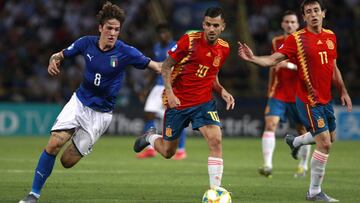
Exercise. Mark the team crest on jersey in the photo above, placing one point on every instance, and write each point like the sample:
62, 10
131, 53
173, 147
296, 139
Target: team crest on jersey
320, 122
216, 61
330, 44
113, 61
168, 132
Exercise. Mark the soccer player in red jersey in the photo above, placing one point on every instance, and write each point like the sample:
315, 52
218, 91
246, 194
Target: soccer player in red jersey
196, 60
314, 49
281, 103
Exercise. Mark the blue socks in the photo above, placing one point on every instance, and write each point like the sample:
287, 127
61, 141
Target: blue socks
148, 125
42, 171
182, 140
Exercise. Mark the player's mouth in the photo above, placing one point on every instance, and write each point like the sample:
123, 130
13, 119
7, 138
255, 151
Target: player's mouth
314, 21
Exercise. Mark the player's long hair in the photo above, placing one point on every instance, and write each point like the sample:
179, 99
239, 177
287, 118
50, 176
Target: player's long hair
110, 11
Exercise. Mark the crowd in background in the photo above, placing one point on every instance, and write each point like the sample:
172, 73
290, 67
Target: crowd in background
34, 29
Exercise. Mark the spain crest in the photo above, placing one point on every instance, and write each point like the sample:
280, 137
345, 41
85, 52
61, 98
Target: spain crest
320, 123
113, 61
330, 44
216, 61
168, 132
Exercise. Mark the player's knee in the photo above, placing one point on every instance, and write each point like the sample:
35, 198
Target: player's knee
270, 126
54, 145
215, 143
66, 163
169, 153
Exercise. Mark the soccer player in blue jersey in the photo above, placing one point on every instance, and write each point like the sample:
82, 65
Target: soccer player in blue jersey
88, 113
154, 107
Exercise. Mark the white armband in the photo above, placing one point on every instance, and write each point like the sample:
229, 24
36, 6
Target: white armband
291, 66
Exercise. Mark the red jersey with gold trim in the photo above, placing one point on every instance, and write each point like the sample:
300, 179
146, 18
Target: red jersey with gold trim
315, 55
283, 82
198, 64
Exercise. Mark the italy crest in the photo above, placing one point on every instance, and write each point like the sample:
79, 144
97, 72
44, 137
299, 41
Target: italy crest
113, 61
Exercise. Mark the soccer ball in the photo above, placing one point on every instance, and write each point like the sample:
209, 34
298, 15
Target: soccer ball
216, 195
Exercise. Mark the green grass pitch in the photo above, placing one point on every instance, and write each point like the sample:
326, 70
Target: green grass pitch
111, 173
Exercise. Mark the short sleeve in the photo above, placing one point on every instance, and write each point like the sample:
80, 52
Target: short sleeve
289, 47
75, 48
138, 59
180, 49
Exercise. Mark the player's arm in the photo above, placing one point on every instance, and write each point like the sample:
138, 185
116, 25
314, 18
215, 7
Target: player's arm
54, 63
229, 99
246, 54
155, 66
340, 86
166, 69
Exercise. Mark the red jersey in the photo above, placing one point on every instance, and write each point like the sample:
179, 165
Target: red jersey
198, 64
283, 82
315, 55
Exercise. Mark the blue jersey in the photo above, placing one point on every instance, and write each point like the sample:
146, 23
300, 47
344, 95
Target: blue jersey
104, 71
161, 53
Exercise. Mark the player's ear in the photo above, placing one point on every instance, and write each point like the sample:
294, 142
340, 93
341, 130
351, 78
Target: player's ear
323, 13
223, 27
100, 28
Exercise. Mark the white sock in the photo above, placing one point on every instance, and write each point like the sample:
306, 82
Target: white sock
268, 147
303, 155
304, 139
151, 139
35, 194
318, 164
215, 169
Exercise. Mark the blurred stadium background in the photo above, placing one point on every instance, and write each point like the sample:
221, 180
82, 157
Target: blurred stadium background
31, 30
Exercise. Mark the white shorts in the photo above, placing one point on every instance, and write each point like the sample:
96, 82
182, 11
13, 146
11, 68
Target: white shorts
89, 124
154, 101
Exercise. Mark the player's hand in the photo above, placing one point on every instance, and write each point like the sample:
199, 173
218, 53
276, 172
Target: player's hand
173, 101
245, 52
345, 100
54, 64
229, 99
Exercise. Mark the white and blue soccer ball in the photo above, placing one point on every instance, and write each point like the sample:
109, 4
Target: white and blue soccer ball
216, 195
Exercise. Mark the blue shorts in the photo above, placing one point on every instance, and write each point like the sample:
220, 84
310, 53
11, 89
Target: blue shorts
285, 110
316, 119
176, 120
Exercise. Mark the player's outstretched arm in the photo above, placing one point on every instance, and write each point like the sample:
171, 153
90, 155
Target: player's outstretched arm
54, 63
339, 84
155, 66
166, 68
227, 97
245, 53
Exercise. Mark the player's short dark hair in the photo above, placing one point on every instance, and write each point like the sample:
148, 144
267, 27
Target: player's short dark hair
162, 27
110, 11
307, 2
289, 13
214, 12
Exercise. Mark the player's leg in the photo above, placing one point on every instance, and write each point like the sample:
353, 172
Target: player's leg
303, 154
268, 142
205, 119
274, 112
149, 151
61, 132
320, 120
46, 163
153, 109
174, 123
180, 152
